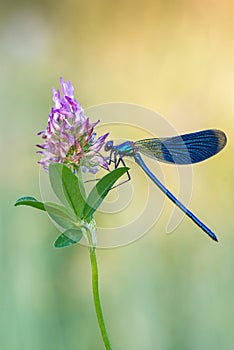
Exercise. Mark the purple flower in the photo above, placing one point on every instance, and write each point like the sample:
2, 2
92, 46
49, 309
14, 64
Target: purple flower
69, 137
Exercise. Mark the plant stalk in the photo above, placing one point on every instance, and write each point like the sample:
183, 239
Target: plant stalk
96, 298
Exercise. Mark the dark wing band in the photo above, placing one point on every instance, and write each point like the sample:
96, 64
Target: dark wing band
184, 149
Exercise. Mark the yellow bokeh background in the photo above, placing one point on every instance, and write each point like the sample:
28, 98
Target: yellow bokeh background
161, 292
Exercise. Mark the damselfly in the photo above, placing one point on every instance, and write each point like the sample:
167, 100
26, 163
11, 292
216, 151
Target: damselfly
185, 149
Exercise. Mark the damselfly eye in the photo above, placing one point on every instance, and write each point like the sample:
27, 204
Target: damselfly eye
108, 146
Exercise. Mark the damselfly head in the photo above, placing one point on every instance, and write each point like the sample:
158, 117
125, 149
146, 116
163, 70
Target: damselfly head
108, 146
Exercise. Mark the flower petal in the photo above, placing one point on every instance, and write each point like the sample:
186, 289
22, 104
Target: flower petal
69, 136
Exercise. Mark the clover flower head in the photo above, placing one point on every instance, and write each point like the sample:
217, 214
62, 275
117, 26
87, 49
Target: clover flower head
69, 137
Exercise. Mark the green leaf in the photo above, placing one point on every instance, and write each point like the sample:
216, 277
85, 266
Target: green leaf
67, 187
63, 241
61, 221
69, 237
60, 214
57, 212
55, 175
82, 187
74, 234
99, 192
31, 202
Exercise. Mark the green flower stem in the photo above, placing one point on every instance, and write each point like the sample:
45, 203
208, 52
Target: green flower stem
96, 298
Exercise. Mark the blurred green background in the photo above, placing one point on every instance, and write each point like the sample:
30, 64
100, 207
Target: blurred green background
161, 292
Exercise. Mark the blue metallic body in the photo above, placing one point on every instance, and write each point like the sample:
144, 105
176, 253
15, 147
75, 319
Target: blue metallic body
206, 229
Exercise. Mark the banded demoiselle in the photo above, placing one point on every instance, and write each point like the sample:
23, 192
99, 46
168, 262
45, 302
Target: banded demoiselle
185, 149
